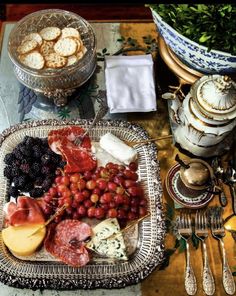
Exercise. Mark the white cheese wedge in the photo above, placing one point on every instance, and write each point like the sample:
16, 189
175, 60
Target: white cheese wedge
20, 241
102, 244
117, 148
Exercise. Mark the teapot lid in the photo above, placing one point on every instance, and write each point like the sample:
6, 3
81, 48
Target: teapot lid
216, 94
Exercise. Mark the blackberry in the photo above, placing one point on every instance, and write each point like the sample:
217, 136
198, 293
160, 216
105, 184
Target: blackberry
17, 153
13, 191
38, 181
20, 181
25, 151
44, 142
37, 141
46, 184
16, 163
25, 168
61, 164
45, 170
50, 152
36, 192
7, 172
36, 167
55, 160
37, 151
9, 158
33, 174
28, 141
29, 186
15, 171
45, 159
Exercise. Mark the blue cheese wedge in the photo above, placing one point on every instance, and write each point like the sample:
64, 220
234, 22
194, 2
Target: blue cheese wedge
107, 240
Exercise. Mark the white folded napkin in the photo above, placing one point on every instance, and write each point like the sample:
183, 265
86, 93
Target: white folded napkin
130, 83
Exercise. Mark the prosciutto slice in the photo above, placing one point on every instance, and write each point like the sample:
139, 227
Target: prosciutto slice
78, 158
26, 211
66, 241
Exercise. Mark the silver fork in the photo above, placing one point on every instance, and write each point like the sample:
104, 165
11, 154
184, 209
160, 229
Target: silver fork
201, 232
218, 232
78, 140
185, 231
98, 116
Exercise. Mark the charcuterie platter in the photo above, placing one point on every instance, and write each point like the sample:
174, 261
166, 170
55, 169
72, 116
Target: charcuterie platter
46, 268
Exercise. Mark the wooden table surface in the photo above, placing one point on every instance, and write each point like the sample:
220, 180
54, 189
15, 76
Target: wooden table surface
169, 281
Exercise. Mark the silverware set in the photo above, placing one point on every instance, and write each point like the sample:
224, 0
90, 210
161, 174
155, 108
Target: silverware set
203, 221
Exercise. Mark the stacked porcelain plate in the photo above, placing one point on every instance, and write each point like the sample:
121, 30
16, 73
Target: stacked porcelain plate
207, 116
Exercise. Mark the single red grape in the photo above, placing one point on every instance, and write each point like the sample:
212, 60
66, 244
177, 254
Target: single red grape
99, 213
112, 213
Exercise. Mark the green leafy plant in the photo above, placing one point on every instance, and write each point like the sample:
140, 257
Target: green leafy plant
211, 25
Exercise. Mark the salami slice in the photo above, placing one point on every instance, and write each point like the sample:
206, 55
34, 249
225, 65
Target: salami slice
61, 238
71, 232
78, 158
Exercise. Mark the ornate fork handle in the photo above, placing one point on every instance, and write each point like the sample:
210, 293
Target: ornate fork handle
190, 279
228, 280
98, 116
208, 280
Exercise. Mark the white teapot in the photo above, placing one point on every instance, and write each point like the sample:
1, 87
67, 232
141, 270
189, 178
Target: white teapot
206, 116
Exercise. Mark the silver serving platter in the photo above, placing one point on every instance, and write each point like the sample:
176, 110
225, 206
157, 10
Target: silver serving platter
149, 251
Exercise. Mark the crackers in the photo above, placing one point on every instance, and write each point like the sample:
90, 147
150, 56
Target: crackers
33, 60
27, 46
54, 60
65, 47
70, 32
52, 48
50, 33
33, 36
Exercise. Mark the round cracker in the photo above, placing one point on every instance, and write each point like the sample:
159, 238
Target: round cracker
70, 32
50, 33
79, 43
83, 49
47, 47
33, 36
65, 47
53, 60
81, 53
27, 46
33, 60
71, 60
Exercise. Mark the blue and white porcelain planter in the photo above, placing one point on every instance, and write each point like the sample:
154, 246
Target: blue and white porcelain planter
193, 54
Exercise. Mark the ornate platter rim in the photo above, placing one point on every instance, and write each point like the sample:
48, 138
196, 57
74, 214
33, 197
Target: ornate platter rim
120, 274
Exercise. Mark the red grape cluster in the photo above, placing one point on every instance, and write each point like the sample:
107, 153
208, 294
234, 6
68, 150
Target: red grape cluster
108, 192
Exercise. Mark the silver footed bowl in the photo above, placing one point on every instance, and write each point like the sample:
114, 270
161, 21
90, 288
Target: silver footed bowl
57, 84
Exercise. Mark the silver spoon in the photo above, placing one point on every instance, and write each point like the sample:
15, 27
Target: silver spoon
230, 175
218, 171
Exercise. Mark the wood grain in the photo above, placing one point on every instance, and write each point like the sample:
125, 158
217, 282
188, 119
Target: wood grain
15, 12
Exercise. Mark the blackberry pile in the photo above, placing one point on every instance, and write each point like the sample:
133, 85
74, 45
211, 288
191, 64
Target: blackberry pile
31, 167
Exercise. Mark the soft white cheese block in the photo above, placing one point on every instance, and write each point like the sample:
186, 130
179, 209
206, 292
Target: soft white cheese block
117, 148
100, 243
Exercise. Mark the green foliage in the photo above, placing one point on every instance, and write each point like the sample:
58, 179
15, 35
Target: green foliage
64, 113
101, 55
212, 25
166, 261
195, 241
182, 245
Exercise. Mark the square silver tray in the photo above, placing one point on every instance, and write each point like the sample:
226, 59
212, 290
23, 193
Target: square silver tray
149, 251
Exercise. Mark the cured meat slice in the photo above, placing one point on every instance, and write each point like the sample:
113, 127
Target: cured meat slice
72, 232
27, 211
65, 241
78, 158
